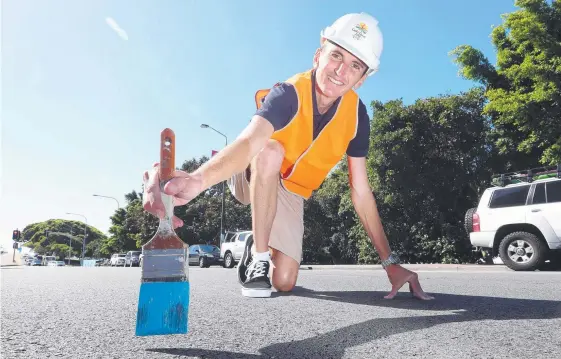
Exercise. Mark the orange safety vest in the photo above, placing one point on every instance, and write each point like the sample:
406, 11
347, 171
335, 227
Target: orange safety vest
307, 162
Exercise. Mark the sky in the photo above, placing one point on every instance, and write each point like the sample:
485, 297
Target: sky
87, 86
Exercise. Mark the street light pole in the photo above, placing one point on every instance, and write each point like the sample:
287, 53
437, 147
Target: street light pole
98, 195
85, 233
204, 125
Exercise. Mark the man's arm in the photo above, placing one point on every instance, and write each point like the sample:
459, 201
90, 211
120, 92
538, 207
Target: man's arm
365, 205
275, 112
236, 156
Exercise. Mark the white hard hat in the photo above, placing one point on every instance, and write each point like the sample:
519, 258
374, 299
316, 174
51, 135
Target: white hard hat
358, 34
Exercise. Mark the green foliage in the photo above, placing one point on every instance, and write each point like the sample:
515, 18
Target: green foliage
524, 88
428, 162
61, 238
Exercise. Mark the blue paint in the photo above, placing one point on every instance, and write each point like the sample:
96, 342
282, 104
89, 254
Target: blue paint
163, 308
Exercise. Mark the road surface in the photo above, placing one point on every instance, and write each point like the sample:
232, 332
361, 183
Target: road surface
482, 312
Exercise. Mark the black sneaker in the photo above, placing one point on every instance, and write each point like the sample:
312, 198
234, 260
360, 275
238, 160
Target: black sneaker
245, 260
257, 283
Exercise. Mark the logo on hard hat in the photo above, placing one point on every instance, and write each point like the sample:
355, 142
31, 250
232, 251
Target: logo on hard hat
360, 31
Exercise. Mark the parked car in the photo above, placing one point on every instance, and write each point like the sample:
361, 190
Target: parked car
35, 262
204, 255
103, 262
132, 258
232, 248
55, 264
47, 259
518, 219
118, 259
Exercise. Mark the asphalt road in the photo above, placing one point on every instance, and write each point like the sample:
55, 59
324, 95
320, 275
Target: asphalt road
334, 313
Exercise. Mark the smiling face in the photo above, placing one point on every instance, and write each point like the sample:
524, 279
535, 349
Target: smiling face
337, 71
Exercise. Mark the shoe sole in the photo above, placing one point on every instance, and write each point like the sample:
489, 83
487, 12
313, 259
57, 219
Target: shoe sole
256, 293
242, 265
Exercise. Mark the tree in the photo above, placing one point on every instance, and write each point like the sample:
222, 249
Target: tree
328, 221
524, 88
62, 238
427, 163
131, 227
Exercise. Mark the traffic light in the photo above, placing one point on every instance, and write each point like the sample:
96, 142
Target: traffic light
16, 235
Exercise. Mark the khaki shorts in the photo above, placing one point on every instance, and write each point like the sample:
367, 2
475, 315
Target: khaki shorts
287, 232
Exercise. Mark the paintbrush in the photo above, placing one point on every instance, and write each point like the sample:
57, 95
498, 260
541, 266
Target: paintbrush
163, 303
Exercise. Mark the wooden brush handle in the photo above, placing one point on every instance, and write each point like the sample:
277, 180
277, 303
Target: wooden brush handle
167, 154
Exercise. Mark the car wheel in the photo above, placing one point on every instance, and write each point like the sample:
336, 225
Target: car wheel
202, 262
522, 251
228, 260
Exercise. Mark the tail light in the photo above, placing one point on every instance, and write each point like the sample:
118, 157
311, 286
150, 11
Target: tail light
476, 223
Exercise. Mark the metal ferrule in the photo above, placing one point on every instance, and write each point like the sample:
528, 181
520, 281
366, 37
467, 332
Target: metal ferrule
165, 264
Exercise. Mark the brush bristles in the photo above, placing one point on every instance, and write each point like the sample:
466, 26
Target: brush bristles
163, 308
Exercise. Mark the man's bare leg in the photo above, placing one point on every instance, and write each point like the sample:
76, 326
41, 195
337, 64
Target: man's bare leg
253, 268
263, 188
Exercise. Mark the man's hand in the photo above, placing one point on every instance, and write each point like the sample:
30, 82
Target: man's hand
398, 276
183, 187
365, 205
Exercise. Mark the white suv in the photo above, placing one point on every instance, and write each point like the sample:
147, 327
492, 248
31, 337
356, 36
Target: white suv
118, 259
520, 219
232, 248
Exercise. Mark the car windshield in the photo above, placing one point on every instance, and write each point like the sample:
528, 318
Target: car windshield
208, 248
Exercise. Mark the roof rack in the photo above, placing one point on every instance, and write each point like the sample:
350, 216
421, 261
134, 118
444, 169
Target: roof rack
527, 176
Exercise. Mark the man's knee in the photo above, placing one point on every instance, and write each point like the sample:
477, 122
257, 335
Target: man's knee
269, 159
284, 277
284, 281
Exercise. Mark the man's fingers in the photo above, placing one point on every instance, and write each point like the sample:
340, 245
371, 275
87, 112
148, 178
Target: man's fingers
414, 285
151, 202
392, 294
417, 291
179, 173
179, 201
177, 222
175, 185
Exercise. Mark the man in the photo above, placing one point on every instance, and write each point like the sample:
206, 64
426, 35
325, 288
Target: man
301, 130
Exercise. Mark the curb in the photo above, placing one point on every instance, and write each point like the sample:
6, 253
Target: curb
413, 267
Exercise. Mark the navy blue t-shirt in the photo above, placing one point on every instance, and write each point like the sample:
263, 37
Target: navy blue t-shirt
280, 106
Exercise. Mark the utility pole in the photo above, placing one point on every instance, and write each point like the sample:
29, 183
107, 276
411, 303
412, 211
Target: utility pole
99, 195
222, 213
85, 232
70, 244
16, 236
